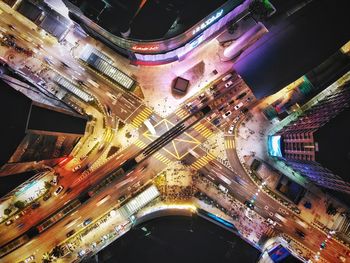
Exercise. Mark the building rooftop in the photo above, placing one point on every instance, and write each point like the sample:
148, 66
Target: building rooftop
143, 16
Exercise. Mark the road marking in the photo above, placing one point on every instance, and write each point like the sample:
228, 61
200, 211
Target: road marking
140, 143
162, 158
229, 144
204, 131
181, 112
204, 160
141, 117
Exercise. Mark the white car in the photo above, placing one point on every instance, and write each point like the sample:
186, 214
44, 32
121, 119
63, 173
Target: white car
229, 83
59, 190
238, 105
76, 168
227, 77
271, 222
28, 259
228, 113
230, 130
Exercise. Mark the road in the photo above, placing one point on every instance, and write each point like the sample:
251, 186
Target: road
112, 102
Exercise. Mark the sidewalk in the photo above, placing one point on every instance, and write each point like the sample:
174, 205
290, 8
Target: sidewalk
251, 142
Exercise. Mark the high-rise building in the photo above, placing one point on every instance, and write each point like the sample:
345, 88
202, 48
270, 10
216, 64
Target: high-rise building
34, 128
316, 144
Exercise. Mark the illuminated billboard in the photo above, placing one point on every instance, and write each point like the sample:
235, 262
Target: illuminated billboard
274, 145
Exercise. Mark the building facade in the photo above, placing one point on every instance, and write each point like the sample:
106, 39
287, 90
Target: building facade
34, 131
316, 144
168, 48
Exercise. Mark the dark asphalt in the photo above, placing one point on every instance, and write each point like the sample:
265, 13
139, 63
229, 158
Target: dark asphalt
179, 239
294, 44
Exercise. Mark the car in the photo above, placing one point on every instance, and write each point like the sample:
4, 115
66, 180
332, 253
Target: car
213, 88
54, 180
81, 253
9, 222
249, 204
82, 158
201, 96
35, 205
47, 196
244, 110
240, 96
227, 113
87, 221
70, 233
59, 190
228, 84
248, 99
231, 101
230, 130
122, 198
216, 121
271, 222
235, 120
30, 258
300, 233
238, 106
221, 107
76, 168
227, 77
20, 225
188, 105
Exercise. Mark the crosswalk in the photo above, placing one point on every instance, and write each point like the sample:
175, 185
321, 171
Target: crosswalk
141, 117
162, 158
229, 144
204, 160
181, 112
204, 131
140, 144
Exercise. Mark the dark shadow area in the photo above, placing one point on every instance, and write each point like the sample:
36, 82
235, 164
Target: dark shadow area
179, 239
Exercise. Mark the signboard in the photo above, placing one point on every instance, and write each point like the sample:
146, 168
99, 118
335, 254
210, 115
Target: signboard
208, 22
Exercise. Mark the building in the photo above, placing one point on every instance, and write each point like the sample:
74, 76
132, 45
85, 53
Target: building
45, 17
316, 144
138, 35
35, 128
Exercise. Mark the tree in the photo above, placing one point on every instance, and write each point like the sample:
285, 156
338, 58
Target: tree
47, 185
7, 211
47, 258
58, 251
19, 204
259, 9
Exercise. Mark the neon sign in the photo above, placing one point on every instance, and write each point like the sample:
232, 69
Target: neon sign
141, 48
207, 22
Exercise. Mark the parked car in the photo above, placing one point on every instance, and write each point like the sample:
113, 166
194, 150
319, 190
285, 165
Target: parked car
59, 190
